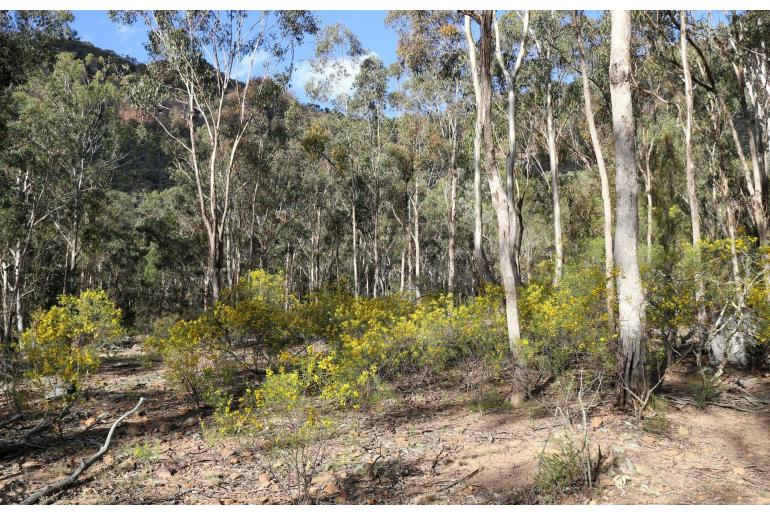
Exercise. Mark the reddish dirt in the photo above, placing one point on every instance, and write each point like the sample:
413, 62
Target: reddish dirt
433, 447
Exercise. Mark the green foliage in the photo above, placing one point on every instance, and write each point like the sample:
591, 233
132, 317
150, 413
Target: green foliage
63, 342
560, 469
193, 356
705, 390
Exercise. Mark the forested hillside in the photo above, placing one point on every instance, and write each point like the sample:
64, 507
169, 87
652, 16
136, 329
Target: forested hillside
548, 218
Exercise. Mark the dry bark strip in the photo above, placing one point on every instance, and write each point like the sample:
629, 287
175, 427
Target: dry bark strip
72, 478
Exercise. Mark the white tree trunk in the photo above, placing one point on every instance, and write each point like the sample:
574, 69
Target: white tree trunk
631, 299
609, 263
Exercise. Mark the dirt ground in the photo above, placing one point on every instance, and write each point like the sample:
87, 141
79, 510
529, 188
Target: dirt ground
437, 446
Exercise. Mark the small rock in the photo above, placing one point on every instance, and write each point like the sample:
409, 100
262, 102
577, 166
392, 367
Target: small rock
331, 489
234, 460
748, 382
324, 478
190, 422
108, 459
620, 480
517, 399
164, 472
30, 465
739, 471
648, 439
264, 479
627, 467
597, 422
89, 422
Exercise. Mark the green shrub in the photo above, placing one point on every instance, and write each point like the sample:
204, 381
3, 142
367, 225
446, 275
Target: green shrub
194, 356
560, 470
287, 422
705, 391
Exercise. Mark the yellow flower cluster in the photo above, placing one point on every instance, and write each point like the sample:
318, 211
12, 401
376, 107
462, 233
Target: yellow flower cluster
62, 342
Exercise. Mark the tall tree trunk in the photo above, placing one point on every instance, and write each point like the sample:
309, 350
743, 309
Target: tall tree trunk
648, 195
689, 166
692, 194
609, 264
451, 231
553, 159
416, 239
479, 256
513, 196
631, 299
452, 206
482, 79
355, 250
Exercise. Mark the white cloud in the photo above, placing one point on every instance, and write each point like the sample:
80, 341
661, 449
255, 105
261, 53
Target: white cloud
258, 67
338, 75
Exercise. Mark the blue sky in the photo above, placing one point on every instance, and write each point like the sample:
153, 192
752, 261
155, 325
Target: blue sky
369, 26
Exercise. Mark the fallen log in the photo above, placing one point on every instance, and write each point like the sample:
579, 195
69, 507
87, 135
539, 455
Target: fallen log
71, 480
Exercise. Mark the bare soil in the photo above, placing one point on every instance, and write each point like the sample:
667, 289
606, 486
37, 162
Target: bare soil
429, 443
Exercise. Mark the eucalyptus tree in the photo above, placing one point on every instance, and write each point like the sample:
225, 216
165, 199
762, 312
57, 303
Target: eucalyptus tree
369, 102
514, 195
581, 24
203, 62
631, 299
430, 51
72, 115
550, 38
481, 69
338, 52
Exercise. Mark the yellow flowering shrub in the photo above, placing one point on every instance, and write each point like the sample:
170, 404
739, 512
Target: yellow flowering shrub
62, 343
567, 325
392, 336
285, 421
193, 355
245, 332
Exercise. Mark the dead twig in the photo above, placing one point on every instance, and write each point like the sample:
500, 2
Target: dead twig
464, 478
435, 460
718, 404
72, 478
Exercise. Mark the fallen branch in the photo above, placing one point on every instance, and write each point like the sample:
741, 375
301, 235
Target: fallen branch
72, 478
718, 404
465, 477
9, 446
10, 421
